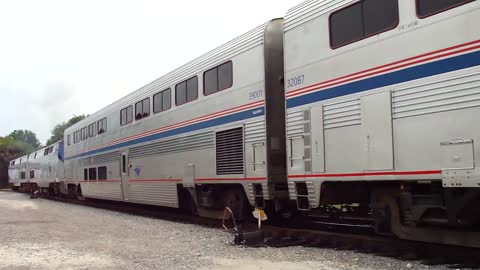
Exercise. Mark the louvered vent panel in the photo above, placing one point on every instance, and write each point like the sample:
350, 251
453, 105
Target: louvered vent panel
99, 159
229, 151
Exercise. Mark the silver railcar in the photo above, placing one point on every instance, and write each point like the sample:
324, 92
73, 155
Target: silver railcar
211, 132
41, 169
17, 173
382, 100
45, 167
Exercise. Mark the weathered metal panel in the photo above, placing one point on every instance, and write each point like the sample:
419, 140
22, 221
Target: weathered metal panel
377, 131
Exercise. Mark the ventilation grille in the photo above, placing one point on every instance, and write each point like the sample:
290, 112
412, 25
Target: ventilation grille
255, 131
342, 114
103, 158
295, 123
176, 145
442, 95
229, 151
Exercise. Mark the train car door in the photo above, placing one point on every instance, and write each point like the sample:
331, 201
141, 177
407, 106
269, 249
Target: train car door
377, 132
124, 174
317, 137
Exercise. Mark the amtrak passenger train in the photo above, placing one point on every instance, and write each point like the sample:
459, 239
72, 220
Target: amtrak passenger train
354, 113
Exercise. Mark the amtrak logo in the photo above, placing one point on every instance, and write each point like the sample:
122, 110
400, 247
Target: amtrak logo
259, 111
137, 171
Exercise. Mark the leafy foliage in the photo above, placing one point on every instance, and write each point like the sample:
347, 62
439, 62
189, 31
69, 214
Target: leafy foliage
58, 130
11, 149
25, 136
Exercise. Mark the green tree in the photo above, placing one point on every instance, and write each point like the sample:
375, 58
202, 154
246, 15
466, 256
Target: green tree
25, 136
11, 149
58, 130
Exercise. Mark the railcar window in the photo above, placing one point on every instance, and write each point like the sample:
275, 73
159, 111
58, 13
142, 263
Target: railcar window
426, 8
35, 156
12, 163
22, 175
218, 78
50, 150
85, 174
92, 130
102, 126
162, 101
362, 20
102, 173
83, 134
68, 140
186, 91
142, 109
126, 116
32, 174
92, 174
45, 152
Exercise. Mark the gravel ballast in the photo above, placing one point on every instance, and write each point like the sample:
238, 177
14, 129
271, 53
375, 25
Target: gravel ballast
43, 234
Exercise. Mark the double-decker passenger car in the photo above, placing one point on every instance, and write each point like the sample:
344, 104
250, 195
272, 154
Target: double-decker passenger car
41, 169
209, 132
350, 113
382, 99
45, 168
17, 173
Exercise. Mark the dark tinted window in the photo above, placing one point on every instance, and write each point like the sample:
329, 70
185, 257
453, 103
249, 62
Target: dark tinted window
378, 15
92, 130
181, 93
126, 115
142, 109
102, 126
186, 91
210, 82
92, 174
32, 174
129, 114
84, 133
225, 76
426, 8
85, 174
192, 89
102, 173
361, 20
22, 175
68, 141
162, 101
218, 78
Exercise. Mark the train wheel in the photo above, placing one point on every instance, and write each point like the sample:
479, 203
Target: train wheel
385, 207
78, 193
187, 203
235, 200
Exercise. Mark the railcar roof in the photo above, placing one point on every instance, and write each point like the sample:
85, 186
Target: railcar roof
234, 47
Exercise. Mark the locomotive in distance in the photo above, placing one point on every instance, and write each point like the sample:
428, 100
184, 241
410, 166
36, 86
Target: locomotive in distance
357, 113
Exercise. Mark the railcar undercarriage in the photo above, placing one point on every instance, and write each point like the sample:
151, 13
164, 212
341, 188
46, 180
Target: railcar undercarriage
419, 211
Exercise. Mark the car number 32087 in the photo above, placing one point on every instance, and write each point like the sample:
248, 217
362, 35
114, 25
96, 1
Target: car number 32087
297, 80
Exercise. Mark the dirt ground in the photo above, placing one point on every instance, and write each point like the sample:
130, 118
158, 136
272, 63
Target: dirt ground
43, 234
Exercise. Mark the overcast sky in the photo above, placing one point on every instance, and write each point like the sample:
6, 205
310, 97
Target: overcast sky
62, 58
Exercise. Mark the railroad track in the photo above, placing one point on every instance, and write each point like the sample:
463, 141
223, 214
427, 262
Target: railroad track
278, 235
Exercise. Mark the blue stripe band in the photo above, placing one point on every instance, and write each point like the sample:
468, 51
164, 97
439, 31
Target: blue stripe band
202, 125
404, 75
